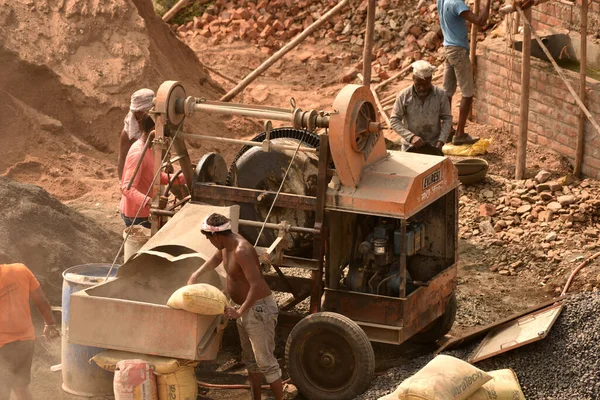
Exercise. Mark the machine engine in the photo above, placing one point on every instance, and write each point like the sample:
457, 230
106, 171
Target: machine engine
376, 267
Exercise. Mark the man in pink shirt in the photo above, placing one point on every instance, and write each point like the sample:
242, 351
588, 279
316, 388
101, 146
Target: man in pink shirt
135, 201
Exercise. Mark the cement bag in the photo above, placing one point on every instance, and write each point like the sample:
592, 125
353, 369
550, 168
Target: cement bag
109, 359
467, 150
134, 380
503, 386
443, 378
180, 385
200, 298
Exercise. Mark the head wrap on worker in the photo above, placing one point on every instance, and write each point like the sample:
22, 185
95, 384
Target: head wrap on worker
206, 228
141, 100
422, 69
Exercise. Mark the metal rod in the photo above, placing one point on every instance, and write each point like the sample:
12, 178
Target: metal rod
139, 161
284, 50
368, 49
473, 50
400, 74
184, 160
524, 111
268, 225
274, 146
246, 111
582, 79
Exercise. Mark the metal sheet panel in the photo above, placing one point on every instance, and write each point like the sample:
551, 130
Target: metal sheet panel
517, 333
184, 228
399, 186
130, 312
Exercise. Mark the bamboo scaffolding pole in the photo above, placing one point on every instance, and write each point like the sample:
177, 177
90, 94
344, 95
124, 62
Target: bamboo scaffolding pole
284, 50
524, 110
561, 75
368, 49
582, 79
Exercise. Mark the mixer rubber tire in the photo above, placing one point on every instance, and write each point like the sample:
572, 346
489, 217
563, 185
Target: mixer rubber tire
438, 328
329, 357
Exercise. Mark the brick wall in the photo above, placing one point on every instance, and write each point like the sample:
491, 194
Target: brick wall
553, 15
553, 114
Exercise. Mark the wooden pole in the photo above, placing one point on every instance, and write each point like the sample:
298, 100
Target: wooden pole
214, 71
473, 49
524, 111
368, 49
380, 108
582, 79
284, 50
175, 9
562, 75
402, 73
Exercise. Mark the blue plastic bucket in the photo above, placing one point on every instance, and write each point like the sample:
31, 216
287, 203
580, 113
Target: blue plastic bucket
80, 377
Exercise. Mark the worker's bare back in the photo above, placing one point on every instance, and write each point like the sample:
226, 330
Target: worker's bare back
240, 276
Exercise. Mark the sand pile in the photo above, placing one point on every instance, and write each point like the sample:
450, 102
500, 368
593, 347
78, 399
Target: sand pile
47, 236
67, 70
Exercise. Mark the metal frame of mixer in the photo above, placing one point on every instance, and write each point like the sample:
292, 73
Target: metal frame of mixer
171, 108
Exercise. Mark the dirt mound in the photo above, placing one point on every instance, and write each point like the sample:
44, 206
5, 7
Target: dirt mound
47, 236
67, 70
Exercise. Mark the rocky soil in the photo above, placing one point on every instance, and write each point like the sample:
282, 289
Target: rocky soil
540, 228
564, 365
404, 32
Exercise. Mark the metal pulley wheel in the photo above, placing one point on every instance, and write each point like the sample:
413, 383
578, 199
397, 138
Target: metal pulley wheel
254, 168
329, 357
211, 168
355, 135
169, 101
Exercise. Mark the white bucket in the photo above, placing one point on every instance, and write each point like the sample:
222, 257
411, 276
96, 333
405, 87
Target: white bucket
138, 236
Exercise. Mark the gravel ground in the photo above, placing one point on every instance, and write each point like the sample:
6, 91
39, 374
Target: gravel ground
564, 365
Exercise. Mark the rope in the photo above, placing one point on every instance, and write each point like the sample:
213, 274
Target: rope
158, 171
279, 191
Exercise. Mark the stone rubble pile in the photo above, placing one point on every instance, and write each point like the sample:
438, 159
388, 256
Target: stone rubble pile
404, 32
541, 226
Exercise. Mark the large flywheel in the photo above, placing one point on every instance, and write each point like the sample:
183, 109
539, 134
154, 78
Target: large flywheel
254, 168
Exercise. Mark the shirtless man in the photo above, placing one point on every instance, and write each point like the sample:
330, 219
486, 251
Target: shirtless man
257, 312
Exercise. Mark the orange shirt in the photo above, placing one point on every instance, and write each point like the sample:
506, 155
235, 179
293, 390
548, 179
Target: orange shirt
16, 284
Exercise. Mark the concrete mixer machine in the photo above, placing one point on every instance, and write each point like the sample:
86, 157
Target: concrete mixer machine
375, 231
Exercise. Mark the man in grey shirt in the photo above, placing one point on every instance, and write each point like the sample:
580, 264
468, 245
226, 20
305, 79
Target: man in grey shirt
422, 111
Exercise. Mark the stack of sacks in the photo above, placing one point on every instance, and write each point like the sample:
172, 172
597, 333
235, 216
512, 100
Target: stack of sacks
449, 378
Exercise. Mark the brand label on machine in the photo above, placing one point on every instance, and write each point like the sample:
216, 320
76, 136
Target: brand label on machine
432, 178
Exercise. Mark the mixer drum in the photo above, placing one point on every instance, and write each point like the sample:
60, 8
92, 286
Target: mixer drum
255, 169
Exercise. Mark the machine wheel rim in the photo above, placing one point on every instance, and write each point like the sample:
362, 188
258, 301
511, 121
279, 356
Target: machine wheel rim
328, 361
364, 116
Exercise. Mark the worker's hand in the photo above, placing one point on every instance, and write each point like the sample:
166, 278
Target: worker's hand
192, 280
439, 144
416, 141
232, 313
51, 331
